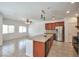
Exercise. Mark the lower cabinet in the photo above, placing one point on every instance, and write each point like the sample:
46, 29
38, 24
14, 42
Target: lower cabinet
75, 43
41, 49
48, 45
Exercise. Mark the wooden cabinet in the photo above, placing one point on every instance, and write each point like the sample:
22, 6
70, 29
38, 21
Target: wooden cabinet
75, 43
41, 49
50, 26
46, 26
78, 20
59, 23
77, 23
48, 45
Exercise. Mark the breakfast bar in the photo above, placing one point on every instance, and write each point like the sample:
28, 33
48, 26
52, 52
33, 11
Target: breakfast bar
42, 45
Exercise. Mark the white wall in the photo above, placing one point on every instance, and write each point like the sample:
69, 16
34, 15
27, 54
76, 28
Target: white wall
36, 28
1, 19
16, 34
70, 29
39, 27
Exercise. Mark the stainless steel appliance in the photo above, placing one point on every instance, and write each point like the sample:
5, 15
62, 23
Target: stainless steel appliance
59, 33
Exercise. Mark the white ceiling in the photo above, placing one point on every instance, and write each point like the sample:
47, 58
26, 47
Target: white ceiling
32, 10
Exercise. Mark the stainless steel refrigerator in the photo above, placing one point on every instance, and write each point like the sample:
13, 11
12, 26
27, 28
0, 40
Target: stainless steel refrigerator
59, 33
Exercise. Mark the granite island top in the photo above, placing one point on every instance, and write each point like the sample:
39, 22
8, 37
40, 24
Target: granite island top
41, 38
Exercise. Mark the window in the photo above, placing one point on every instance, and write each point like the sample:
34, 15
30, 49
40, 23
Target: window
11, 29
5, 29
8, 29
22, 29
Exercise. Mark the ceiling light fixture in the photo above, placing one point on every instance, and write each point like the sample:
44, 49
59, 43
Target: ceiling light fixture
67, 12
28, 21
72, 2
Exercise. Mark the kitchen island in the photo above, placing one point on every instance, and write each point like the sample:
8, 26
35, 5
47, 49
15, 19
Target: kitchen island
42, 45
39, 46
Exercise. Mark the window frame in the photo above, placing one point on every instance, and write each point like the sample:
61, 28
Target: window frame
22, 29
8, 31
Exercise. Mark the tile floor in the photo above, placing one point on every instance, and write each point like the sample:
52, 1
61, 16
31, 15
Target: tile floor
62, 49
16, 48
13, 48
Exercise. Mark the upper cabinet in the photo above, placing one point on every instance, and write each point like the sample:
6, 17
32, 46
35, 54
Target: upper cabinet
77, 22
51, 26
59, 23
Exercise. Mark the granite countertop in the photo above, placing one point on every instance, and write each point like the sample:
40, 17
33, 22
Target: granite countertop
42, 38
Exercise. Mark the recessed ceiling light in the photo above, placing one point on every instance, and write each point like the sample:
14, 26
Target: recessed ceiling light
67, 12
72, 2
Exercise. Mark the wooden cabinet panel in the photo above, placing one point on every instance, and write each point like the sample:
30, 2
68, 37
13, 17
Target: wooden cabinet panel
59, 23
39, 49
78, 21
48, 45
50, 26
46, 26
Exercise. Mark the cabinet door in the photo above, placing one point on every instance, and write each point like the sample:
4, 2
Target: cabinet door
46, 26
39, 49
52, 26
49, 26
59, 23
78, 20
46, 48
